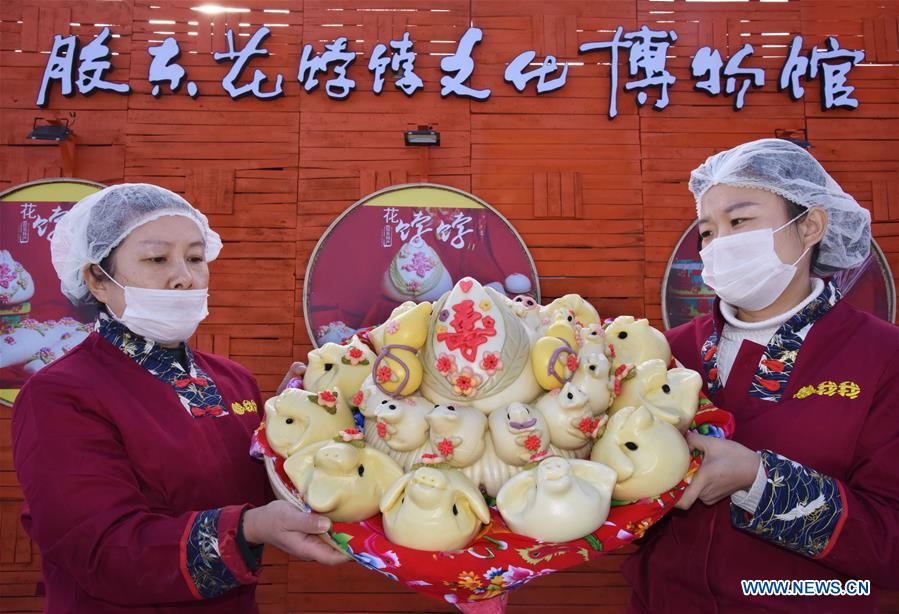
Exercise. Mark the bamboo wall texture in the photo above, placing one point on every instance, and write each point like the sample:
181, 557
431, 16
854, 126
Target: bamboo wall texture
599, 202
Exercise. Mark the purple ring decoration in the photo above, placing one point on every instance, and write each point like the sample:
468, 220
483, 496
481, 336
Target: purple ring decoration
551, 367
385, 353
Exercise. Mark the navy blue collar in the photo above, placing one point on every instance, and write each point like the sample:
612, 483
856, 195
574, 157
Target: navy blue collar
195, 389
776, 364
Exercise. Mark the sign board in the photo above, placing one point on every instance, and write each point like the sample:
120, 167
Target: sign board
408, 242
75, 67
38, 324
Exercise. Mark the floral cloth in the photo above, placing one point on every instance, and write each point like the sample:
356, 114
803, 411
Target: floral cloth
776, 364
499, 560
208, 572
800, 509
195, 389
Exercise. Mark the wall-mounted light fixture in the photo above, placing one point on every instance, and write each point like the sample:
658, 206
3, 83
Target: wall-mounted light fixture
58, 130
50, 130
799, 137
424, 136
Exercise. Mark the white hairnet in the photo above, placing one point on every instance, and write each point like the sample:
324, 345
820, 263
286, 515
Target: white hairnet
782, 167
91, 229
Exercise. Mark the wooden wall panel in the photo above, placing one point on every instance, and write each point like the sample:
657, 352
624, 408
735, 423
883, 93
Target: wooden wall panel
571, 178
350, 154
860, 149
26, 35
599, 202
695, 125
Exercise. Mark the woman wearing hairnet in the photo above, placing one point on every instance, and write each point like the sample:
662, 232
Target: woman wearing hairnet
139, 488
809, 487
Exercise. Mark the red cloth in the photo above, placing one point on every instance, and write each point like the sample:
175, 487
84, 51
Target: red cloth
114, 471
499, 560
696, 559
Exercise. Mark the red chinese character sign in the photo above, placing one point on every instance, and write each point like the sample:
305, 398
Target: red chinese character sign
410, 242
868, 287
37, 323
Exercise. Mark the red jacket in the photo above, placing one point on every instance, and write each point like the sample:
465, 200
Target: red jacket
695, 559
127, 493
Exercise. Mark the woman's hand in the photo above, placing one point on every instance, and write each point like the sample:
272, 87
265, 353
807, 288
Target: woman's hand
295, 532
296, 370
726, 468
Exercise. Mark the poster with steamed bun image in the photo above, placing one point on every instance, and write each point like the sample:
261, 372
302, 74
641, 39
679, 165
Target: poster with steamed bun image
409, 243
38, 324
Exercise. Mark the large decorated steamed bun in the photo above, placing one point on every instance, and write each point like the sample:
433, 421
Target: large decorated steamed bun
498, 396
477, 351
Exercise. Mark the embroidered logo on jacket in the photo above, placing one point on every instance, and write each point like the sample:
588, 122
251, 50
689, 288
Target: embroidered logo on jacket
829, 388
247, 407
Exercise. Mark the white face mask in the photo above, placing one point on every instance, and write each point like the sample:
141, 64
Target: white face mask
744, 269
164, 316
